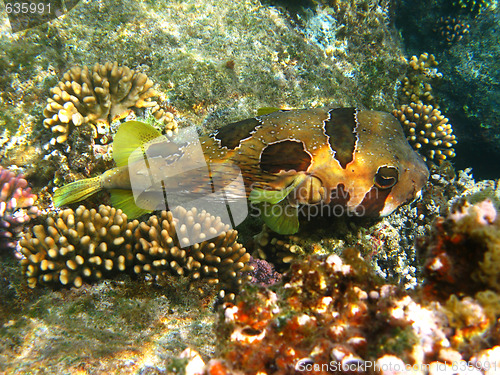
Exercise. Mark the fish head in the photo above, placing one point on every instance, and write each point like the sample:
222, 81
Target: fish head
387, 172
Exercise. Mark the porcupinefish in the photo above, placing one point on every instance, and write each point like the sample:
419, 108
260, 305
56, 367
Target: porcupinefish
354, 160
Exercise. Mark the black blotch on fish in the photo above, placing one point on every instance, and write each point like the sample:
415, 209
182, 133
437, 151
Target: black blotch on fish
276, 157
341, 131
231, 135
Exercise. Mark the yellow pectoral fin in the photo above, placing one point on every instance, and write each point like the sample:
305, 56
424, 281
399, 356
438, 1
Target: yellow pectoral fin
131, 136
124, 200
274, 196
281, 218
267, 110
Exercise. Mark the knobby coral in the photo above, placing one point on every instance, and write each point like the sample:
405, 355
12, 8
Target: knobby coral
422, 72
451, 29
84, 245
95, 96
220, 260
427, 131
16, 206
473, 7
77, 246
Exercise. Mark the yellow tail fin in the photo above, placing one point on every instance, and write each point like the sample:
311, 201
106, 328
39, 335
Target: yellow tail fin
77, 191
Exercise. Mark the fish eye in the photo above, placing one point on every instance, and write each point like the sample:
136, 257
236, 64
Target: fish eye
386, 177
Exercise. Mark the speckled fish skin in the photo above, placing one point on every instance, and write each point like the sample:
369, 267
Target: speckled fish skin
357, 158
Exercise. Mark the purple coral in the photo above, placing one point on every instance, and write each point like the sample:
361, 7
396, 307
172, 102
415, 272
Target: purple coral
16, 207
263, 272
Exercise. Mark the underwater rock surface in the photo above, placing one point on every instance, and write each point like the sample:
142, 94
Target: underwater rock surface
468, 93
340, 289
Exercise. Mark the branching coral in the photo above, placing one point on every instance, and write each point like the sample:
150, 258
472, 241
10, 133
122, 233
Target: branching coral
86, 245
16, 207
417, 84
77, 246
428, 131
451, 29
96, 97
220, 260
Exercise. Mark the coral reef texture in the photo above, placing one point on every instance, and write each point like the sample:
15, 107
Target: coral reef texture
85, 245
16, 207
464, 251
428, 131
95, 96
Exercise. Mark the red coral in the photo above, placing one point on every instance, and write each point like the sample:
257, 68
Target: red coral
16, 207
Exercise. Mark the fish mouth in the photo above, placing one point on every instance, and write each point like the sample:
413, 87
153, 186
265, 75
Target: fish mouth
415, 194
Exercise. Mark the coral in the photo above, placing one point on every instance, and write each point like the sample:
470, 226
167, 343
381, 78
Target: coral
463, 252
221, 260
16, 207
428, 131
85, 245
326, 310
416, 86
469, 90
281, 250
473, 7
424, 64
451, 29
331, 312
165, 114
96, 97
76, 246
263, 273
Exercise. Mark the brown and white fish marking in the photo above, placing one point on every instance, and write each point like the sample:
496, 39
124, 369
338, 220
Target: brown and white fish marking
355, 159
